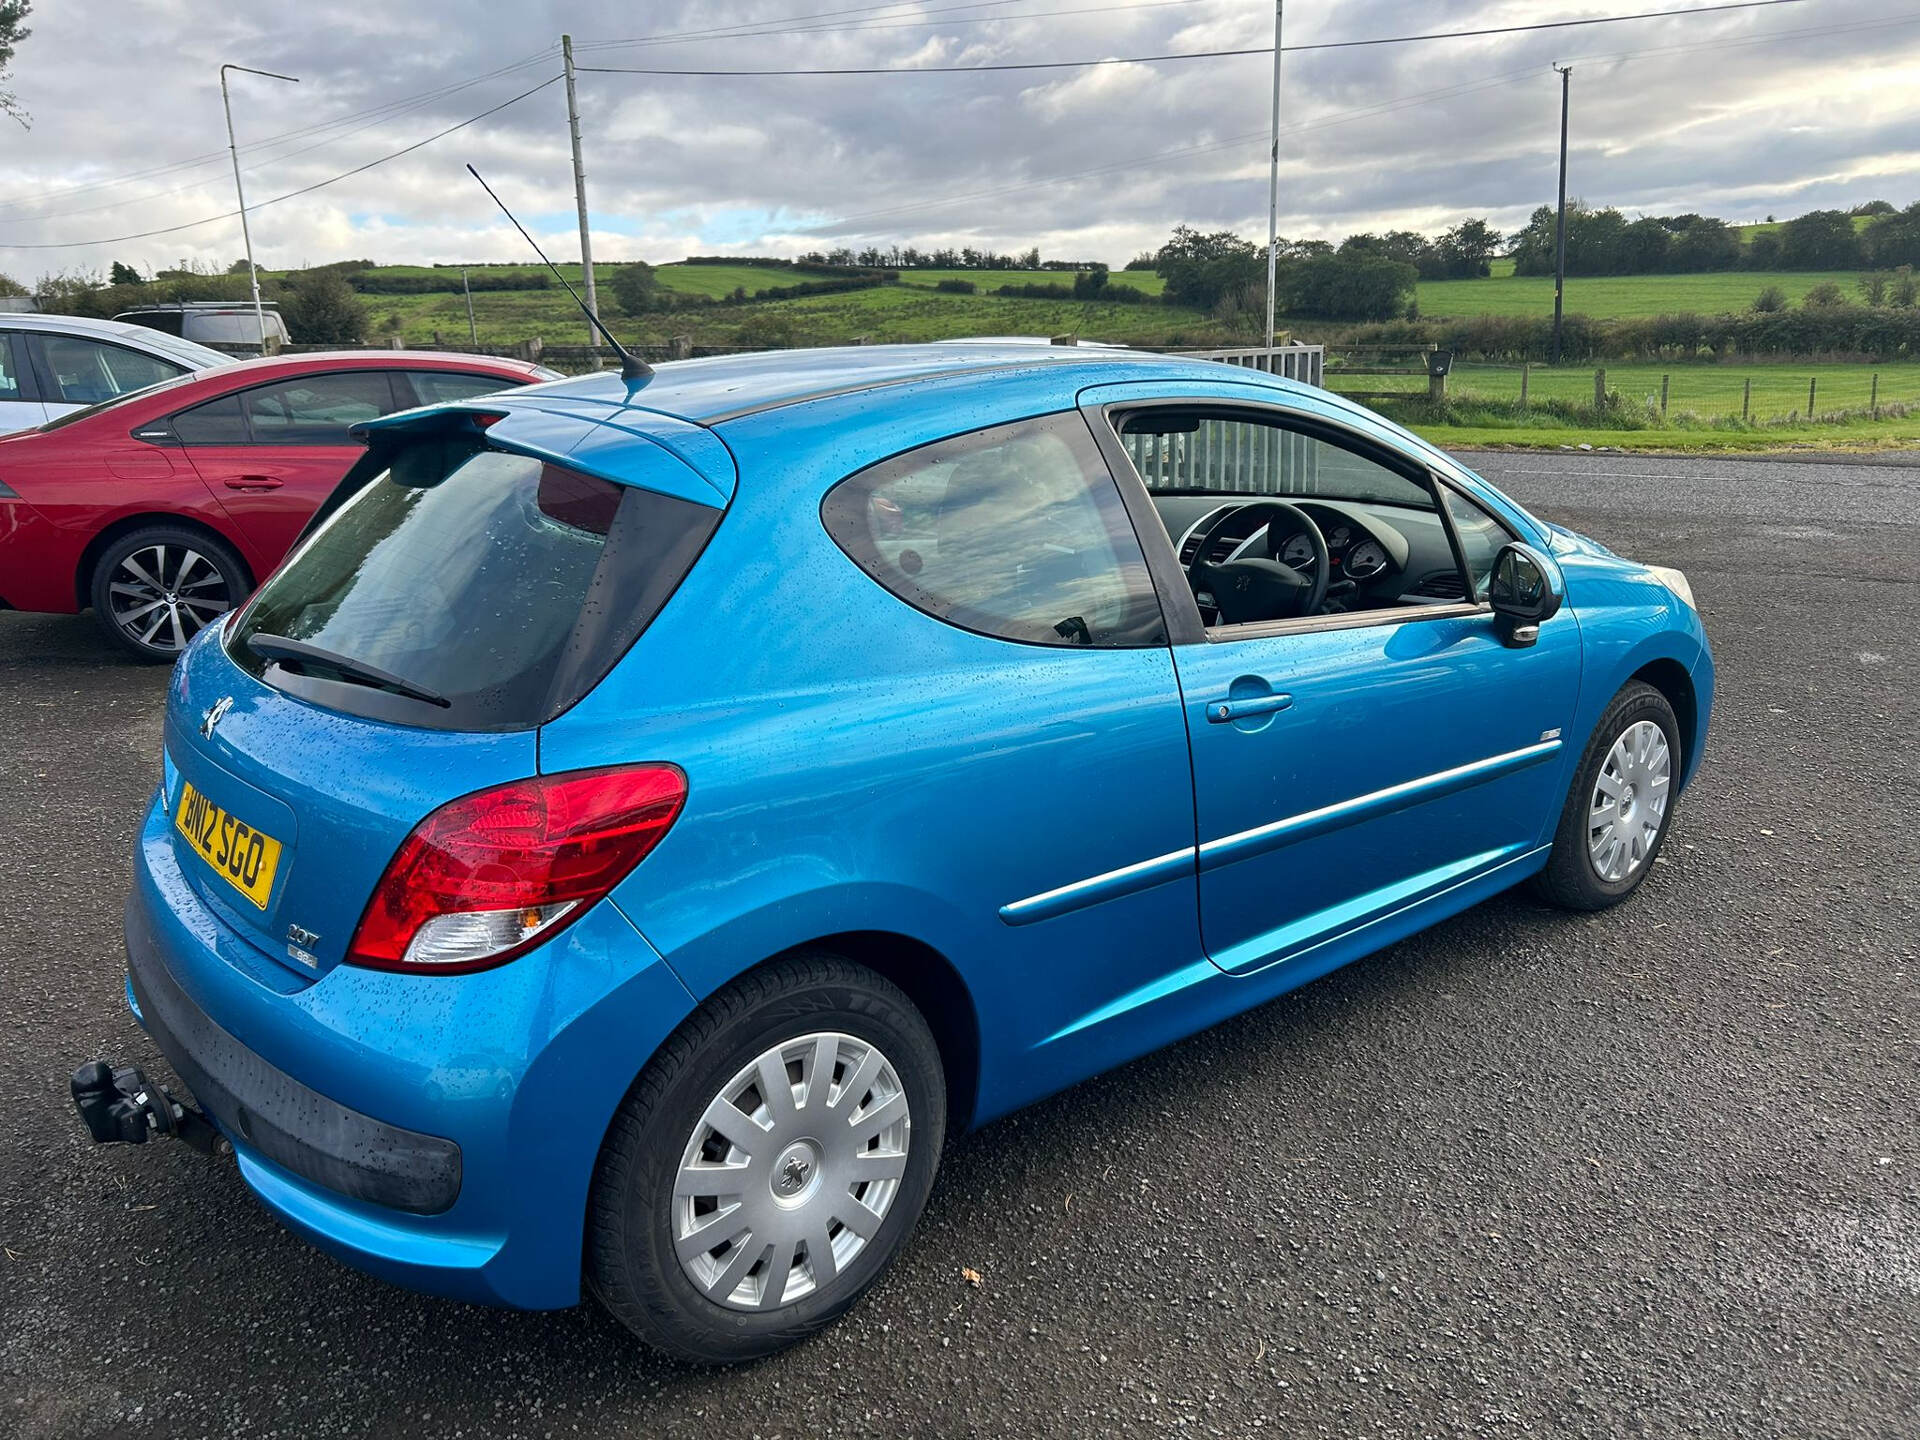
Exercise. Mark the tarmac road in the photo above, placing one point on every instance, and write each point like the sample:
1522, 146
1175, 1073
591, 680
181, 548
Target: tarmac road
1653, 1172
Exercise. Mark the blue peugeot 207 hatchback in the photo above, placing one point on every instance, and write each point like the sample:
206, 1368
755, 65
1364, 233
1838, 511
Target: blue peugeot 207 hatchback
643, 818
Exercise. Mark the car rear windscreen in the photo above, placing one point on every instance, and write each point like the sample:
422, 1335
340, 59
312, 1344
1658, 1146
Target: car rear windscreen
469, 588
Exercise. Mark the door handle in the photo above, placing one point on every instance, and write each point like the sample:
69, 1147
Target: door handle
1223, 712
255, 482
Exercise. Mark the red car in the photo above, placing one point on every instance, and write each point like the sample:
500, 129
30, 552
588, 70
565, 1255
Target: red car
164, 507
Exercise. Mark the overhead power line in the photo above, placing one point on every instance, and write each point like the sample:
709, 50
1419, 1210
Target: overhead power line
389, 113
386, 110
1002, 66
303, 190
838, 227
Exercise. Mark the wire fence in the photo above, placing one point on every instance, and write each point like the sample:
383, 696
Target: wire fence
1758, 392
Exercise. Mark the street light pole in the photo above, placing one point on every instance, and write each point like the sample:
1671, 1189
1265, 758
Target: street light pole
1560, 232
580, 190
246, 234
1273, 177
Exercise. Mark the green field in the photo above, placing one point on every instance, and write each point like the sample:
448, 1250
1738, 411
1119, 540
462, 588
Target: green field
1145, 281
1703, 407
1622, 296
885, 313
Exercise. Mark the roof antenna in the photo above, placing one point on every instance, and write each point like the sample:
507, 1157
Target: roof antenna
632, 367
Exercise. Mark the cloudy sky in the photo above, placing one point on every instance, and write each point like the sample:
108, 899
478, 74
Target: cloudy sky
1740, 114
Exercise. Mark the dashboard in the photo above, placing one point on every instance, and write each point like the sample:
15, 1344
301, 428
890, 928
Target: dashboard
1380, 554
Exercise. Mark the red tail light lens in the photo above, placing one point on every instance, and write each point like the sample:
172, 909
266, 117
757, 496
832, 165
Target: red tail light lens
487, 876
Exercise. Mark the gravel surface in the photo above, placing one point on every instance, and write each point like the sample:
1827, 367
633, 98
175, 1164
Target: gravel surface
1652, 1172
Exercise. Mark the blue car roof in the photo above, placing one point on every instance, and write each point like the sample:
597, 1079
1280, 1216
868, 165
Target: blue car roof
593, 421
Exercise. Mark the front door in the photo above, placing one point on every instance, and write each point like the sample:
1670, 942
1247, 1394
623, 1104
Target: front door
1405, 758
1370, 742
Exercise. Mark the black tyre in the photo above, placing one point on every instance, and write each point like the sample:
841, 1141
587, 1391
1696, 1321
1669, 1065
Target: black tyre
1620, 806
769, 1162
155, 588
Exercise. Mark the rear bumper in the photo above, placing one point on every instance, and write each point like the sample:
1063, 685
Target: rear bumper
37, 560
437, 1131
315, 1139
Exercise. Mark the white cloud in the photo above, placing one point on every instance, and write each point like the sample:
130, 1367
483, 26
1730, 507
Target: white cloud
1100, 162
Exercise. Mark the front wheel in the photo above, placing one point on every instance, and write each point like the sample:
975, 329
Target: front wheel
1620, 806
769, 1162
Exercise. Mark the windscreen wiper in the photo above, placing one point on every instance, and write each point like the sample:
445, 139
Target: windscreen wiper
284, 650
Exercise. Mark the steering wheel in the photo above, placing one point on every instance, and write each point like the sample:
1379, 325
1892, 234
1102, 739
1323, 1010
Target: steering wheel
1249, 588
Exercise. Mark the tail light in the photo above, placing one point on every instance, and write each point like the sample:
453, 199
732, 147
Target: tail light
485, 877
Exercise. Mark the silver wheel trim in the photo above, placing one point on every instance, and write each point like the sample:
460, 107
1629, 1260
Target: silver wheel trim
791, 1171
1629, 802
162, 596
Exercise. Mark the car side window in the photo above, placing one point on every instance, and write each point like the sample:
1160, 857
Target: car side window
1016, 532
218, 422
1299, 520
85, 372
11, 385
1481, 536
437, 387
317, 409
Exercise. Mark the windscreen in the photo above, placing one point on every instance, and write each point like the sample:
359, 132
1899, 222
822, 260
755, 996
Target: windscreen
469, 588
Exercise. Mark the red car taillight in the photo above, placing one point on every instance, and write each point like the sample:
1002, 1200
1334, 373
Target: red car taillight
487, 876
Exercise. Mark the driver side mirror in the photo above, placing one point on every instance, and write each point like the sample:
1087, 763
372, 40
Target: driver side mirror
1525, 592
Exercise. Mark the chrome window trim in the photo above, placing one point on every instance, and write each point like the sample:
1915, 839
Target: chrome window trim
1355, 620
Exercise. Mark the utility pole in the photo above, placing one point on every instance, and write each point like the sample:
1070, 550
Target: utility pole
473, 330
580, 190
1273, 177
1560, 233
246, 235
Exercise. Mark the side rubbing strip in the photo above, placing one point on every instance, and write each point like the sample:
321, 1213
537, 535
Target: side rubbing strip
1127, 880
1144, 875
1263, 838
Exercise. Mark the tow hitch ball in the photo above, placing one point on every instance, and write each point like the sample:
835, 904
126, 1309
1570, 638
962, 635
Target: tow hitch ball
124, 1107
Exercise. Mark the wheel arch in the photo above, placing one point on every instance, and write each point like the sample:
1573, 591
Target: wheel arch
935, 986
1673, 681
140, 520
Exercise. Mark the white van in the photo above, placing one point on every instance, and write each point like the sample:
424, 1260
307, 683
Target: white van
210, 322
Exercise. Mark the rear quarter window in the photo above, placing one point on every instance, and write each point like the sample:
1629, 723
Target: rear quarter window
1017, 532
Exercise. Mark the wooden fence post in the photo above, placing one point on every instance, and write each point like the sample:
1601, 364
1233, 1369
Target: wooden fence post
1812, 381
1436, 387
1663, 393
1873, 399
1526, 369
1600, 389
1746, 400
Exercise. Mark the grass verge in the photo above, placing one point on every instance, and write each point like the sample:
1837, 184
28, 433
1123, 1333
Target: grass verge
1470, 423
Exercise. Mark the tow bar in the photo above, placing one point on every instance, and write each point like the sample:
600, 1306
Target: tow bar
123, 1107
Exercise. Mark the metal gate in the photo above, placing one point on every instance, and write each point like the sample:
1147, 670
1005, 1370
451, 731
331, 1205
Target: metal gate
1234, 457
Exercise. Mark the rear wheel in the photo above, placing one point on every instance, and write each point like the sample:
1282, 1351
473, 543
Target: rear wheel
769, 1163
1620, 806
155, 588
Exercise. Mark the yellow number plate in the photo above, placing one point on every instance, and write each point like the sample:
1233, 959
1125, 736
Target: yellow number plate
244, 857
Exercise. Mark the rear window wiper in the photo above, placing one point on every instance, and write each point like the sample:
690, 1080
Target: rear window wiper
284, 650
